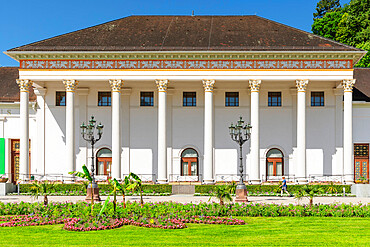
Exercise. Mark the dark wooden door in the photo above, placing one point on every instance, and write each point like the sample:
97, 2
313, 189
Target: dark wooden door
361, 153
15, 144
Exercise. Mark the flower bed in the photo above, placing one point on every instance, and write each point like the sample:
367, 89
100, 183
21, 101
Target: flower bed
30, 220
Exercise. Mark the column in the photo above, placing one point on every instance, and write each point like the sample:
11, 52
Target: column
40, 141
70, 86
208, 131
348, 167
255, 134
24, 86
125, 135
162, 137
116, 86
301, 130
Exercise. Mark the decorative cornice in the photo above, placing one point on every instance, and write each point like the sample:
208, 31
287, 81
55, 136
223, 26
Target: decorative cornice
116, 85
70, 85
210, 55
188, 64
348, 85
254, 85
208, 85
162, 85
24, 85
301, 85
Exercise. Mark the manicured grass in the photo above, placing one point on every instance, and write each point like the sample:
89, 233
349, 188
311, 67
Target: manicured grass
260, 231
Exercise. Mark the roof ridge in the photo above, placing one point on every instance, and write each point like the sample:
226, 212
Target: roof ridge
302, 31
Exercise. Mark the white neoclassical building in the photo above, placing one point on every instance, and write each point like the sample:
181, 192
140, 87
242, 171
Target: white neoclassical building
166, 89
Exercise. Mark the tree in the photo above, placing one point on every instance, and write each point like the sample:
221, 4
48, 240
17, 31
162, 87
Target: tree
121, 188
41, 189
223, 194
310, 191
349, 24
325, 6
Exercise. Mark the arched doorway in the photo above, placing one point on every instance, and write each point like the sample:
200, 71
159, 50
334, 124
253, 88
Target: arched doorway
274, 163
189, 163
104, 162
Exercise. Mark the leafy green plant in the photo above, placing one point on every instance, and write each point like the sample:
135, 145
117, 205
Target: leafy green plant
86, 175
104, 207
331, 188
134, 184
310, 191
223, 194
41, 189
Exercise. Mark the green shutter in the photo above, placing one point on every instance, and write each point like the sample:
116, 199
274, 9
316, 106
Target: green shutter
2, 156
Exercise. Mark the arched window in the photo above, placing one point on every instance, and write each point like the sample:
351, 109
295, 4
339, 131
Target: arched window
189, 162
104, 162
274, 162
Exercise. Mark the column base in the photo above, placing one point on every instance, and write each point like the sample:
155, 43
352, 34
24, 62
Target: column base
241, 195
162, 181
255, 181
96, 197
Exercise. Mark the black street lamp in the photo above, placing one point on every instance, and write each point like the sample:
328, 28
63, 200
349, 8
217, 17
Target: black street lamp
88, 135
240, 133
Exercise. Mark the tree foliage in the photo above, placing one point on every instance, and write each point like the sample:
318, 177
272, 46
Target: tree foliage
349, 24
326, 6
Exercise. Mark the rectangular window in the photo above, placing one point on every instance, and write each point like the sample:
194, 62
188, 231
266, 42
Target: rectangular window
60, 99
274, 99
317, 98
146, 98
232, 99
189, 99
104, 99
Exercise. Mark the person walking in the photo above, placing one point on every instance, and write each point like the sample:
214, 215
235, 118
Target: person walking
284, 187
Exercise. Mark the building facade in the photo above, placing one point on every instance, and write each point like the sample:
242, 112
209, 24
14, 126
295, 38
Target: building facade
167, 88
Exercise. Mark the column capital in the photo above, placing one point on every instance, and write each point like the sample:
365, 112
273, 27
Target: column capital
70, 85
347, 85
254, 85
208, 85
162, 85
24, 85
301, 85
116, 85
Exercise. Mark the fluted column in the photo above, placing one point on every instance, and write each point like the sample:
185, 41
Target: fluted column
348, 167
70, 86
208, 131
162, 137
116, 86
255, 133
24, 86
301, 130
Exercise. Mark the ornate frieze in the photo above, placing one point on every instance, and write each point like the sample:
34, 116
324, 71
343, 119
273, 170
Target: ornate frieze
24, 85
301, 85
208, 85
254, 85
70, 85
162, 85
348, 85
186, 64
116, 85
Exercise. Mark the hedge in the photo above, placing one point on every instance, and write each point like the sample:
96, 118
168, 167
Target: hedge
147, 188
259, 189
202, 189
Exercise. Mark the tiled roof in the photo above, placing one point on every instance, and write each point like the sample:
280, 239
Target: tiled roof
362, 76
188, 33
9, 89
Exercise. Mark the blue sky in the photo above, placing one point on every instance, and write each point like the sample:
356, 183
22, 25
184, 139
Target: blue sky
26, 21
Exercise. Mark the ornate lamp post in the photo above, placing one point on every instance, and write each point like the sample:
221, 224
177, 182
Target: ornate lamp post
88, 135
240, 133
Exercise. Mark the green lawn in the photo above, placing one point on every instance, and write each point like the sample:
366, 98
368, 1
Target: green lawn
279, 231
